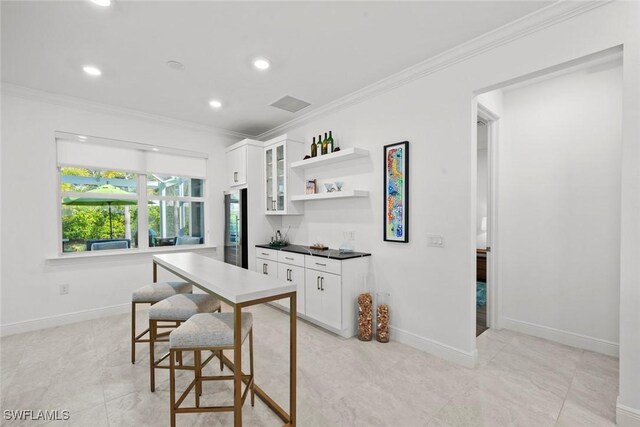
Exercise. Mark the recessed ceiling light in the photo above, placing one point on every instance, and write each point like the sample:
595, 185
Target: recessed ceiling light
103, 3
91, 70
176, 65
261, 63
155, 149
215, 103
82, 137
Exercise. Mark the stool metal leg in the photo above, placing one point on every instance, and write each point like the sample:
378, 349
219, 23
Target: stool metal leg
152, 356
133, 332
253, 394
172, 387
198, 369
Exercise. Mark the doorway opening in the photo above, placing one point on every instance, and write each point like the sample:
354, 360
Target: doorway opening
486, 131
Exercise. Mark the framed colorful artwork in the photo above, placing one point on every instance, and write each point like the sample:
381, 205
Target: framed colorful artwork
396, 192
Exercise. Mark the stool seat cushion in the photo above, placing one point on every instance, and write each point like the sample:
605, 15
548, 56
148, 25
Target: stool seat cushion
155, 292
182, 307
209, 330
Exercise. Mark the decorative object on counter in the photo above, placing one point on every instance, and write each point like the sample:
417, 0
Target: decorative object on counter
311, 186
314, 148
396, 191
365, 317
382, 317
318, 247
324, 144
306, 157
336, 149
339, 185
278, 241
346, 247
329, 187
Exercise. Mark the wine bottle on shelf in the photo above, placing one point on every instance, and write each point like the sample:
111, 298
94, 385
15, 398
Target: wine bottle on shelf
330, 144
319, 145
324, 144
314, 148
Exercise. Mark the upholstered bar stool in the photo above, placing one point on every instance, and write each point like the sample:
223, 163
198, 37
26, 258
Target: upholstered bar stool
207, 332
151, 294
178, 309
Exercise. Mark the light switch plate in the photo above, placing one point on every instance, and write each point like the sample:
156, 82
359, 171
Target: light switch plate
435, 240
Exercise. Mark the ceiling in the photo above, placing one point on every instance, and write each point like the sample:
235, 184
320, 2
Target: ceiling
320, 51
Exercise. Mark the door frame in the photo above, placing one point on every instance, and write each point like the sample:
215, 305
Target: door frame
494, 295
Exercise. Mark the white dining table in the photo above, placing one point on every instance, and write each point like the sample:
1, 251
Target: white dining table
238, 288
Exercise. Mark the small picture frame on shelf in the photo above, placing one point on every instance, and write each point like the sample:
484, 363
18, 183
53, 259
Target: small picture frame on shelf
311, 187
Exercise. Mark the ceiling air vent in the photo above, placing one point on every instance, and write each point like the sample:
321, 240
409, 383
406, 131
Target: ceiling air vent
290, 104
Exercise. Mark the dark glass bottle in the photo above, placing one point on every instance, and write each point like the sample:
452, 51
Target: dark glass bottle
324, 144
319, 145
314, 148
330, 143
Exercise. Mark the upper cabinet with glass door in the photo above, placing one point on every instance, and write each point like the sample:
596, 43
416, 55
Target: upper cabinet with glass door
279, 178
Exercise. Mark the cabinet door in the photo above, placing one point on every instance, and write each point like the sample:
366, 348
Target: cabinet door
331, 290
313, 295
264, 266
269, 160
292, 274
237, 166
281, 186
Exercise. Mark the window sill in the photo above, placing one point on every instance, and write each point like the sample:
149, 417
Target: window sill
125, 253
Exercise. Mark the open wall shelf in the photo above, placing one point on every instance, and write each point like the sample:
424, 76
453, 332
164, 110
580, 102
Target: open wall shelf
332, 195
328, 159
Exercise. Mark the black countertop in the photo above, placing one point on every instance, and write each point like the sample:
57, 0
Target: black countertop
329, 253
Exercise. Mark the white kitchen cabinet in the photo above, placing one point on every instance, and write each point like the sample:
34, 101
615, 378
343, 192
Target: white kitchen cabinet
293, 274
279, 179
237, 166
324, 297
270, 268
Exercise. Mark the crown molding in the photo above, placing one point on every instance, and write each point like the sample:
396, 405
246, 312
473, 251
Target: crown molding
543, 18
97, 107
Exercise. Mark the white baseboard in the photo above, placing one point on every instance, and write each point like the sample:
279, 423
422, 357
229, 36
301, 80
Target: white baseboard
626, 416
572, 339
436, 348
62, 319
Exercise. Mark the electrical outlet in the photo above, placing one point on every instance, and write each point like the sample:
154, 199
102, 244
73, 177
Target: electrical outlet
435, 240
64, 289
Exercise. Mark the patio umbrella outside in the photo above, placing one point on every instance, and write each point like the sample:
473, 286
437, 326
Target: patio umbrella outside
106, 190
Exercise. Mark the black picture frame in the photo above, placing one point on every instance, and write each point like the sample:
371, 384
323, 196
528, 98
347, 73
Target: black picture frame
398, 232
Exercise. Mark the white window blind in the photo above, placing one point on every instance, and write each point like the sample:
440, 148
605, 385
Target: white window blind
99, 153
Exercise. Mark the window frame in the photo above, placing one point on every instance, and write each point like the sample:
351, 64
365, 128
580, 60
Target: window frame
142, 206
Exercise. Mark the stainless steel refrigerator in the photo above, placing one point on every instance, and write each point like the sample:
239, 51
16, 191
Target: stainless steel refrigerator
235, 228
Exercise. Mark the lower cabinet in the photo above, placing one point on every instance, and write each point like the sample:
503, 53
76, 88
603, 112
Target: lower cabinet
324, 297
293, 274
326, 288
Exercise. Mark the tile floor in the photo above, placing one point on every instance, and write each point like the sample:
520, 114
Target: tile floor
520, 380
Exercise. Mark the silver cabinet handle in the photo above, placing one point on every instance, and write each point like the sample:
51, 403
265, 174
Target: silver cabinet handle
324, 265
289, 275
264, 254
264, 268
235, 177
289, 258
322, 283
318, 282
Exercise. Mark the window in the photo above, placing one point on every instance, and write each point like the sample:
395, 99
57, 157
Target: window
109, 190
99, 209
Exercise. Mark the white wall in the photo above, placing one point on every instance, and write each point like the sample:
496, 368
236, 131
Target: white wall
433, 289
559, 207
30, 227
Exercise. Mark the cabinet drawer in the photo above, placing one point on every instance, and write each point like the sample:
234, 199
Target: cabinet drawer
267, 254
291, 258
333, 266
